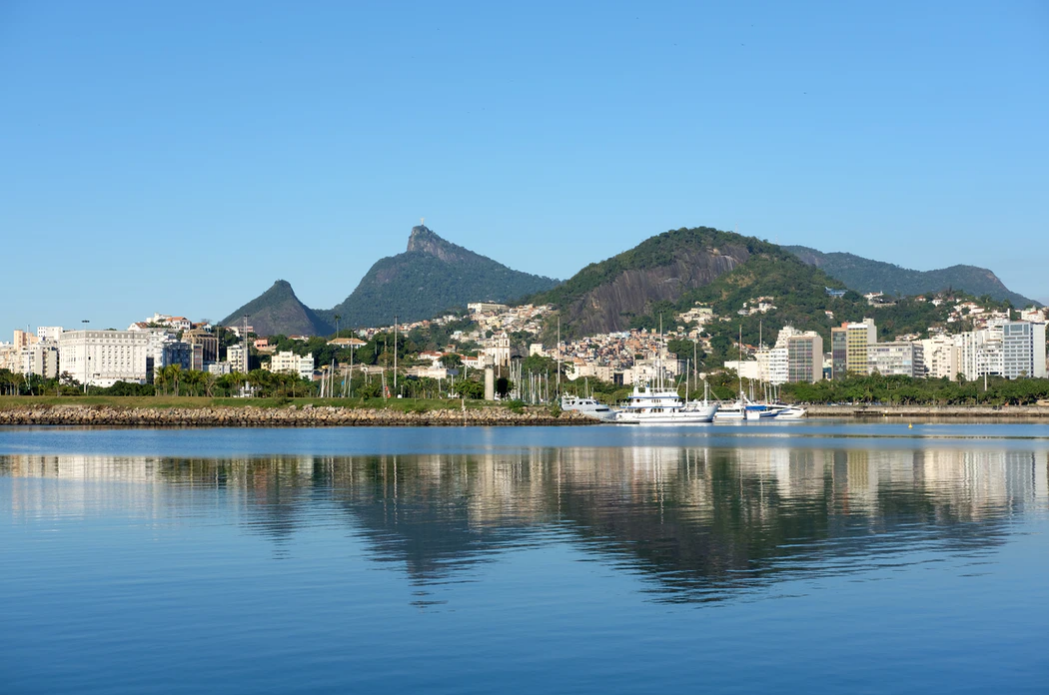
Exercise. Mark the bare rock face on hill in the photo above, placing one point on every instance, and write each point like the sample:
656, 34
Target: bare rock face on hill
603, 297
609, 307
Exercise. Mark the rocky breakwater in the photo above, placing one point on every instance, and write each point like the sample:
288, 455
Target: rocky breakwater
291, 416
1018, 412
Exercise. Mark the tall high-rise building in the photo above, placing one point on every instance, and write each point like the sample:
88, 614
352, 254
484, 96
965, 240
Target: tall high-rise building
849, 347
1023, 350
805, 357
838, 351
981, 352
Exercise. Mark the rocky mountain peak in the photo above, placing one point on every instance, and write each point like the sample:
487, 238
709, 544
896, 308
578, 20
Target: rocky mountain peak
425, 240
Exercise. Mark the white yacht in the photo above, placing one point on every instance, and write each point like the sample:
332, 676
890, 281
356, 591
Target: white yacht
787, 412
746, 409
650, 407
587, 406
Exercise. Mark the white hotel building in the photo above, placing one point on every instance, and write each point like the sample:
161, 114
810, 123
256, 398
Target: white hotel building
102, 358
290, 363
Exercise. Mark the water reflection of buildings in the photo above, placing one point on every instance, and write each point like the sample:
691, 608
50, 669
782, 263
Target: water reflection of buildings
693, 518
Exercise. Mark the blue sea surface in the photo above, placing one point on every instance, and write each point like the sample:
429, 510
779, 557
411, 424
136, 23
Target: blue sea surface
815, 557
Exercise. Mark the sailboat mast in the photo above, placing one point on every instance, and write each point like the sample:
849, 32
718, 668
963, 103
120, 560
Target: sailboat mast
558, 355
739, 372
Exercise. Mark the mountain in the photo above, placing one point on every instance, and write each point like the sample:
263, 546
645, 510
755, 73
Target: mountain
277, 311
433, 275
865, 275
605, 297
670, 273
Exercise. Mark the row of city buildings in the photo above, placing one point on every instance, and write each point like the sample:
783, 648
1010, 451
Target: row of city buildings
105, 357
1001, 347
996, 346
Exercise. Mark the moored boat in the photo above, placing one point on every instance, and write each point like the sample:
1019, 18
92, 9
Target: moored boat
649, 407
587, 406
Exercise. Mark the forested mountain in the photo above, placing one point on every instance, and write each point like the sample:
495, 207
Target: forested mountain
279, 311
432, 276
606, 296
865, 275
674, 271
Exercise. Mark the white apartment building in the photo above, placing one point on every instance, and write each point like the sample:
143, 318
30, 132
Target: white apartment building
896, 359
220, 368
237, 357
102, 358
10, 357
778, 365
1023, 350
485, 307
434, 371
51, 333
1033, 315
980, 352
942, 357
746, 369
798, 356
699, 314
41, 359
290, 363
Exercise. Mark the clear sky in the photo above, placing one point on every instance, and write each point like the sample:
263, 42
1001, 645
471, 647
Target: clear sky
180, 157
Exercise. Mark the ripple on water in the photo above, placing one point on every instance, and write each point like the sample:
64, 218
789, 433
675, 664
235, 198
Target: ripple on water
823, 562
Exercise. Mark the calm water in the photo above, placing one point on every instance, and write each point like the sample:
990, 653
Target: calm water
810, 557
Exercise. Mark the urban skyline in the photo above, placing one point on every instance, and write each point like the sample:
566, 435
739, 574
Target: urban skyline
992, 342
331, 132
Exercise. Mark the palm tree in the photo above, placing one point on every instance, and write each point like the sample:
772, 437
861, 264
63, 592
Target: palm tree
257, 378
174, 375
160, 380
194, 380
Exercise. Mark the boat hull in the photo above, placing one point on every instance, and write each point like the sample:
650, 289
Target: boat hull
697, 416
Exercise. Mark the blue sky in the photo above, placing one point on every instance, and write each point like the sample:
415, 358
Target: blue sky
180, 157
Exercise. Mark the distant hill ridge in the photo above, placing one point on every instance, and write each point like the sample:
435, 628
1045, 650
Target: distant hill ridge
656, 278
865, 275
432, 276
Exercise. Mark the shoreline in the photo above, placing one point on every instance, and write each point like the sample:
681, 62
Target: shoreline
254, 416
1018, 412
246, 416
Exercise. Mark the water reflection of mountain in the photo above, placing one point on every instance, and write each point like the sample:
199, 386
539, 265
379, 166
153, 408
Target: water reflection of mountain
701, 521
